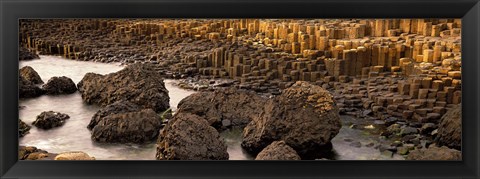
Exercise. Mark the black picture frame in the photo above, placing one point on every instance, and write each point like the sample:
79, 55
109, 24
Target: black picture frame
13, 10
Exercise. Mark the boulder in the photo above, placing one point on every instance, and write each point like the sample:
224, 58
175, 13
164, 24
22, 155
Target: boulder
115, 108
278, 150
190, 137
28, 90
435, 153
138, 83
23, 128
25, 54
450, 129
31, 153
59, 85
224, 107
73, 156
130, 127
304, 116
50, 119
29, 74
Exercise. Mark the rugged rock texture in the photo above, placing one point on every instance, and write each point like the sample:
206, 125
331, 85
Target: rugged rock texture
131, 127
435, 153
304, 116
31, 153
137, 83
278, 150
73, 156
59, 85
28, 90
29, 74
450, 129
25, 54
115, 108
224, 107
23, 128
50, 119
190, 137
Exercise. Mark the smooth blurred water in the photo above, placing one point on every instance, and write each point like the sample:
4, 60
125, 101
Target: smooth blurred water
74, 135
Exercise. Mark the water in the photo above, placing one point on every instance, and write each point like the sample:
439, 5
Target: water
74, 135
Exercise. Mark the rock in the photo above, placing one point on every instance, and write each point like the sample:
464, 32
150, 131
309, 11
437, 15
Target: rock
115, 108
59, 85
50, 119
304, 116
427, 128
236, 106
129, 127
23, 128
408, 130
137, 83
356, 144
190, 137
435, 153
450, 129
29, 74
278, 150
73, 156
403, 150
28, 90
25, 54
31, 153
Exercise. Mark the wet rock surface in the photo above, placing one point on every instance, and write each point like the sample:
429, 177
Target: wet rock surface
304, 116
23, 128
137, 83
128, 127
450, 129
29, 74
50, 119
224, 107
190, 137
59, 85
278, 150
435, 153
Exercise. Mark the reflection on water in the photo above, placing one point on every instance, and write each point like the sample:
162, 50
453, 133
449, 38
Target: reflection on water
74, 135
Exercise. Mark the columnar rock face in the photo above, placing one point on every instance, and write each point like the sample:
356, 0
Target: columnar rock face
73, 156
28, 90
224, 107
138, 83
304, 116
450, 129
25, 54
23, 128
59, 85
30, 75
50, 119
189, 137
435, 153
128, 127
278, 150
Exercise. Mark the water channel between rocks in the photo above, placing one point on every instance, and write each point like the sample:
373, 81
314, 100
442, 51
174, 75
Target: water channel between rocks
74, 135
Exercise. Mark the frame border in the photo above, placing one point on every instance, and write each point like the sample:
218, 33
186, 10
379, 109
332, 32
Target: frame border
11, 11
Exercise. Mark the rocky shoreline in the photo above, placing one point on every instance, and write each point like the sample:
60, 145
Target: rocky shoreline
403, 73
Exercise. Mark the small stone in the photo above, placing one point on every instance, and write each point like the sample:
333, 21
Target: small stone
356, 144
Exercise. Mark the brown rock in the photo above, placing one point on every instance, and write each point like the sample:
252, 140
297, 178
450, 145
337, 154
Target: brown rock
278, 150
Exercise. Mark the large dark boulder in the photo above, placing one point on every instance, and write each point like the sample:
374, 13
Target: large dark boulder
190, 137
25, 54
115, 108
50, 119
450, 129
138, 83
435, 153
129, 127
224, 107
28, 90
23, 128
278, 150
29, 74
305, 116
59, 85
